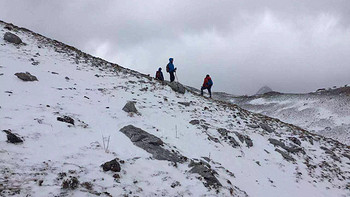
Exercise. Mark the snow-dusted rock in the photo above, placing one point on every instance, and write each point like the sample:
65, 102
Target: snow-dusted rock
12, 138
150, 143
130, 107
26, 76
177, 87
112, 165
10, 37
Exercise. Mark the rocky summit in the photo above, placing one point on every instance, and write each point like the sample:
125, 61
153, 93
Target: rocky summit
74, 136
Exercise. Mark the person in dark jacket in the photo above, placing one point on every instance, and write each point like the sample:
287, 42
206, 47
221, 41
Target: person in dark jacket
171, 69
207, 85
159, 75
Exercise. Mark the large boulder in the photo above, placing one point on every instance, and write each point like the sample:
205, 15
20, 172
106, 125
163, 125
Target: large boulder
177, 87
150, 143
10, 37
26, 76
204, 169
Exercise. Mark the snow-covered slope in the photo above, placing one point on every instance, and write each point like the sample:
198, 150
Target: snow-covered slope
326, 113
222, 150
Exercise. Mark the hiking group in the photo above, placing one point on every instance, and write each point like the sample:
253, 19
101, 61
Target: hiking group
170, 68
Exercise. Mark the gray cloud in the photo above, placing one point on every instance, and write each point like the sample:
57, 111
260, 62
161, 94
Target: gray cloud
290, 46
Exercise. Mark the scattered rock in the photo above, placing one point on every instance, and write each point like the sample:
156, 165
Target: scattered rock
130, 107
244, 138
26, 76
150, 143
252, 126
40, 182
186, 104
291, 149
194, 122
112, 165
285, 155
12, 138
70, 183
175, 184
87, 185
66, 119
266, 128
204, 169
295, 140
10, 37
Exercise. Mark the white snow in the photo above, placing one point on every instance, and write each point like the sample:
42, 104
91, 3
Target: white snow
95, 103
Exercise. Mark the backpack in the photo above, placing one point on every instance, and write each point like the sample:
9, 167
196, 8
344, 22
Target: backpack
167, 68
158, 75
210, 82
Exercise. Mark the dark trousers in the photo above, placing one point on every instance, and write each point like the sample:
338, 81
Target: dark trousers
208, 88
172, 76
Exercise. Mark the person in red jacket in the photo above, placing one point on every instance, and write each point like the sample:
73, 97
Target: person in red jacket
207, 85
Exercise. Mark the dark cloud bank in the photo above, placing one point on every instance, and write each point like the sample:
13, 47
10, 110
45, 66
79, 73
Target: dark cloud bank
291, 46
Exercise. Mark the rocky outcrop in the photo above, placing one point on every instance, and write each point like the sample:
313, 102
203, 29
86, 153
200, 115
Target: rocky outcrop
130, 107
204, 169
12, 38
186, 104
244, 138
12, 138
26, 76
150, 143
177, 87
290, 149
267, 128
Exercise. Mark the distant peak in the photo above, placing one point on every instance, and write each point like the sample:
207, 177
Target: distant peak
263, 90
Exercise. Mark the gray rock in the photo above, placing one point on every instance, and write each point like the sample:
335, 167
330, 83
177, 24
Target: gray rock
285, 155
26, 76
291, 149
71, 183
150, 143
66, 119
252, 126
223, 132
112, 165
204, 169
177, 87
194, 122
185, 103
295, 140
267, 128
244, 138
12, 138
130, 107
10, 37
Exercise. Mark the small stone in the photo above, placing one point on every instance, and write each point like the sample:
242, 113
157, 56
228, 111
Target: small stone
112, 165
66, 119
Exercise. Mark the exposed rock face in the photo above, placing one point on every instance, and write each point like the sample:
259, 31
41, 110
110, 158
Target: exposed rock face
177, 87
26, 76
66, 119
285, 155
112, 165
244, 138
130, 107
10, 37
291, 149
150, 143
263, 90
267, 128
204, 169
12, 138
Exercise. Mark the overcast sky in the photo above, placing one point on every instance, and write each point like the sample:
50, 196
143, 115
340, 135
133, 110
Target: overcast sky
291, 46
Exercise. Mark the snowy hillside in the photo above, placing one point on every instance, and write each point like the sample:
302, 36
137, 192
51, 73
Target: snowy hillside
326, 113
71, 121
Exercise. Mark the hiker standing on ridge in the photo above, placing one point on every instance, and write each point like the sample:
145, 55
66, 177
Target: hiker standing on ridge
171, 69
159, 75
207, 85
